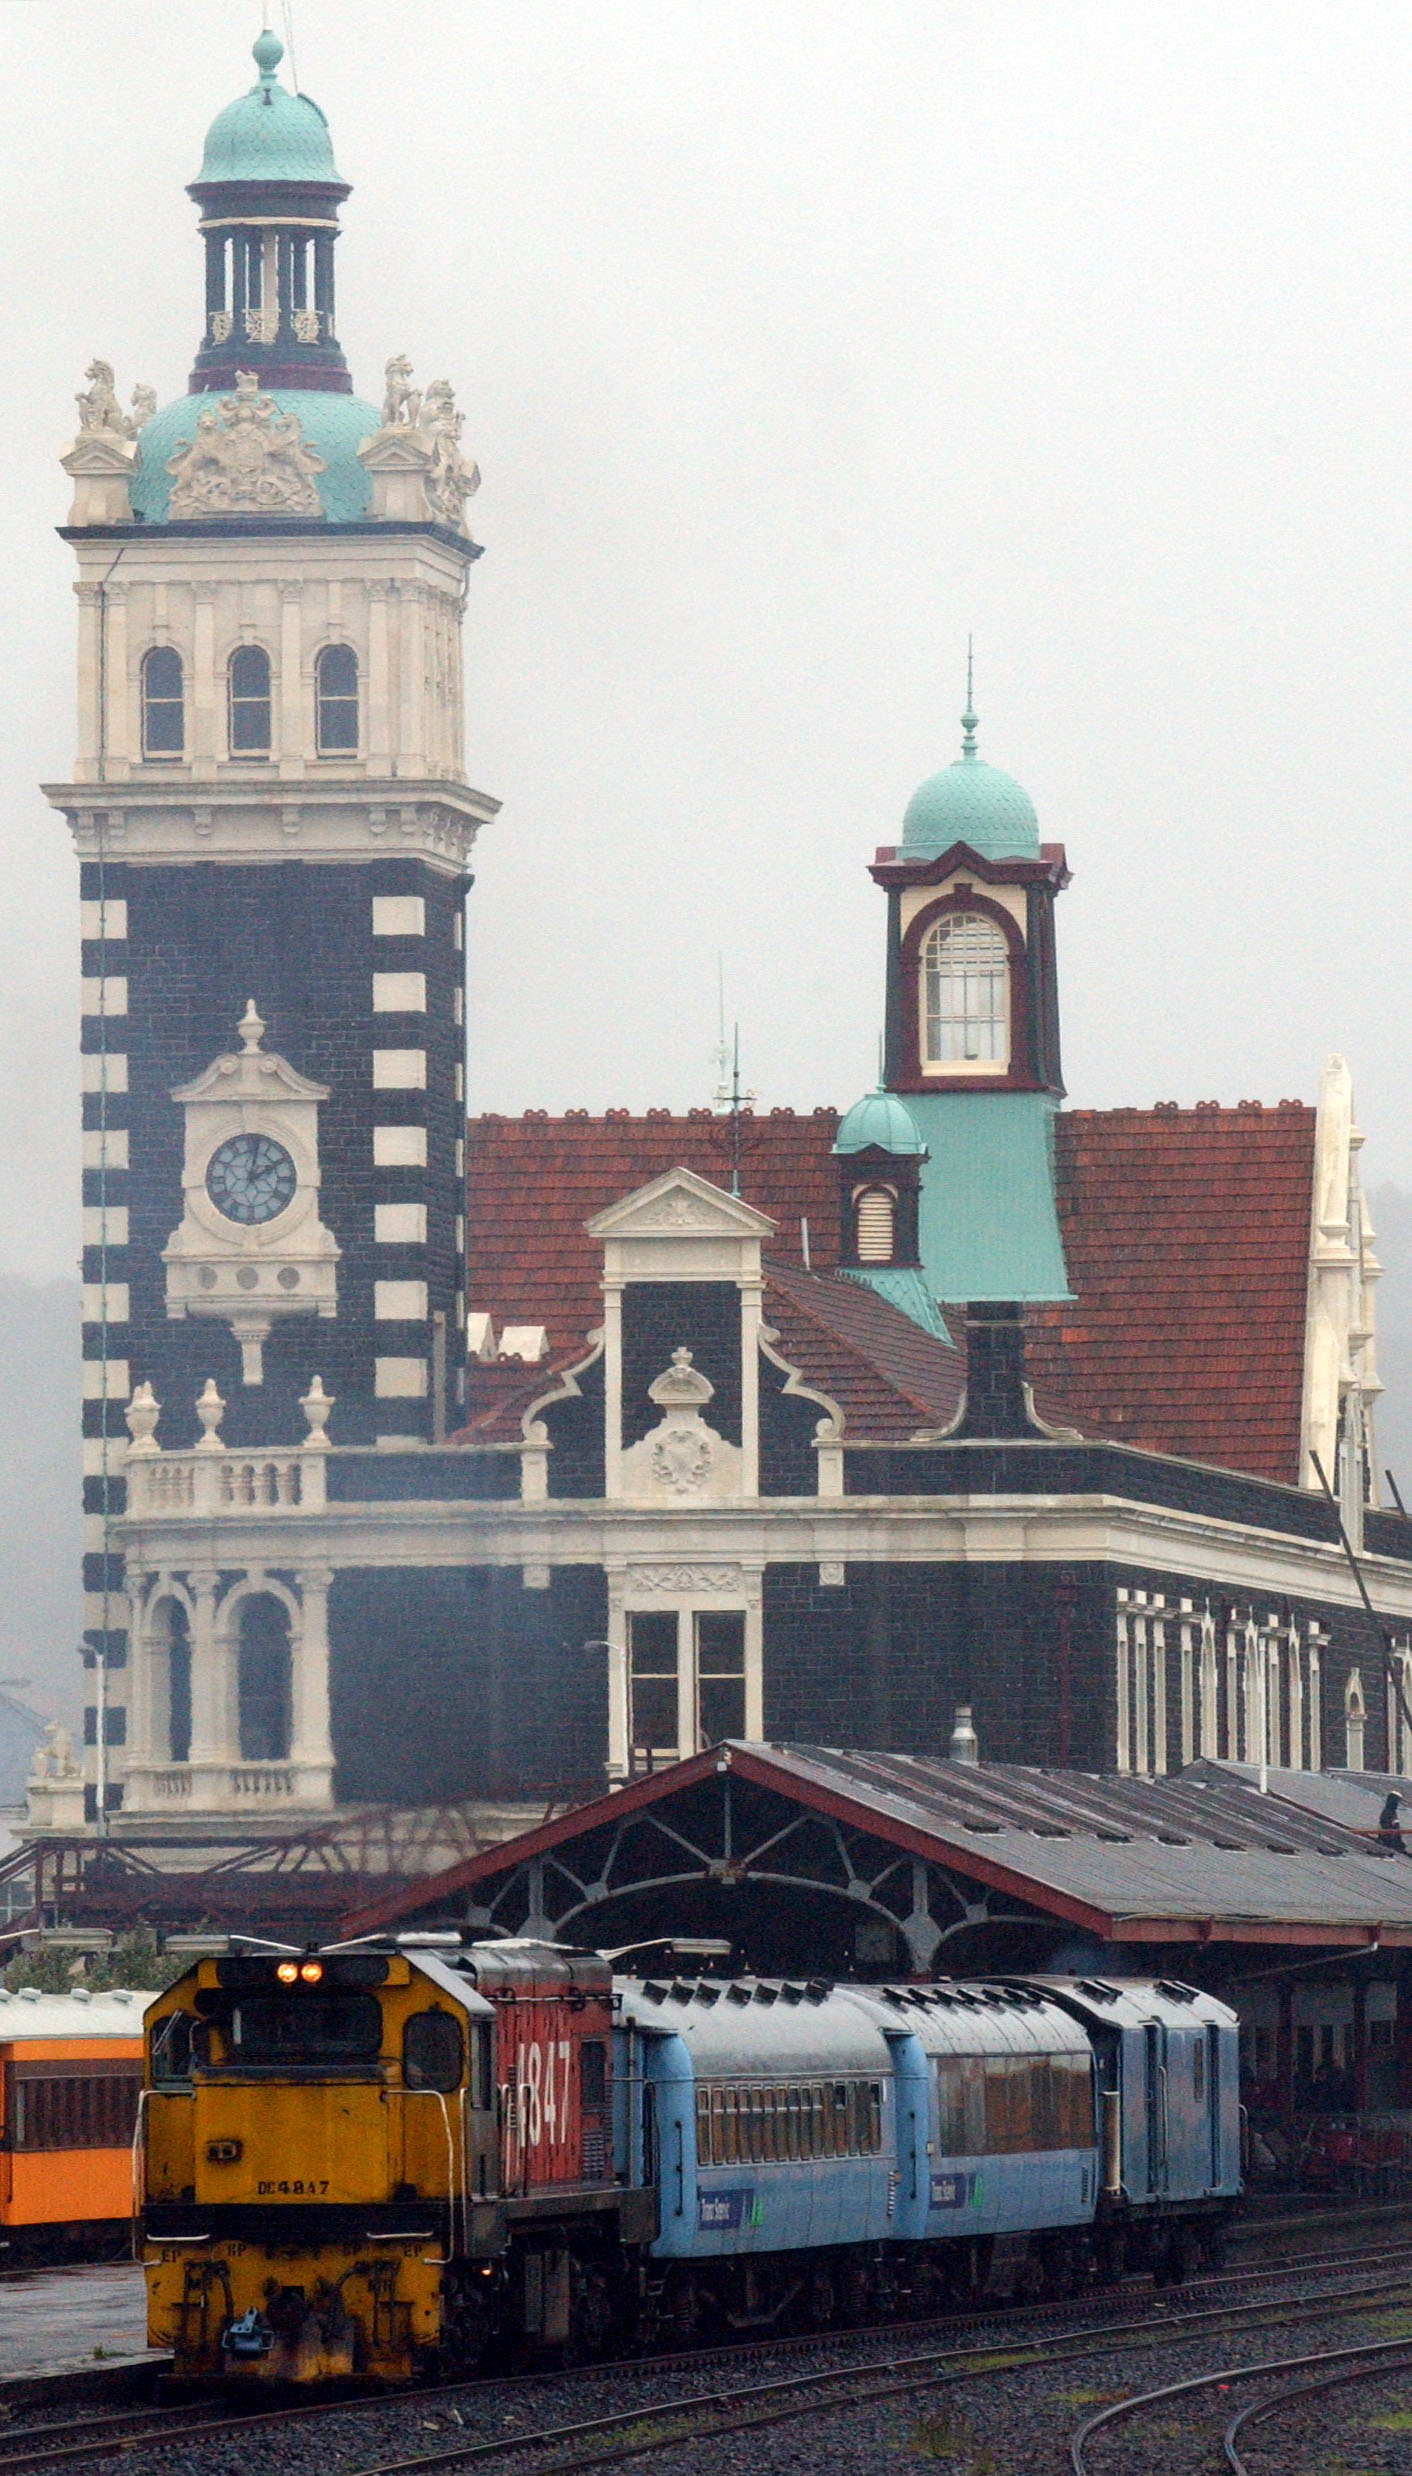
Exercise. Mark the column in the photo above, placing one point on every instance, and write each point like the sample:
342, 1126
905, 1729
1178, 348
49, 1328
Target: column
379, 726
291, 679
312, 1747
117, 734
207, 1729
751, 1298
140, 1748
612, 1388
88, 665
617, 1647
754, 1657
202, 724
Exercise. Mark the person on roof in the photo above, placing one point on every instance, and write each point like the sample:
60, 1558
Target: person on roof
1389, 1835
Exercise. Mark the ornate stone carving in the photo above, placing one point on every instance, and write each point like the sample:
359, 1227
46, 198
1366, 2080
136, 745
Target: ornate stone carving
261, 325
142, 1414
415, 459
316, 1405
688, 1581
248, 459
144, 405
306, 326
683, 1456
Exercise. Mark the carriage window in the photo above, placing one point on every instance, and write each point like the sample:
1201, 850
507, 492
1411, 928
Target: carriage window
336, 701
732, 2147
432, 2051
163, 703
719, 2152
248, 700
54, 2107
1198, 2072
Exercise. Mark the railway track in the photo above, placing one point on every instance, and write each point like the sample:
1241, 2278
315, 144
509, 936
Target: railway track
1023, 2338
1338, 2365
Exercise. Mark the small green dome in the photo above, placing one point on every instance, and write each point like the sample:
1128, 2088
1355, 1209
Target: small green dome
880, 1123
335, 426
972, 802
269, 134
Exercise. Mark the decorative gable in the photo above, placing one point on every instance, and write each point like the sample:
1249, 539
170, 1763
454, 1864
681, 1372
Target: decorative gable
680, 1228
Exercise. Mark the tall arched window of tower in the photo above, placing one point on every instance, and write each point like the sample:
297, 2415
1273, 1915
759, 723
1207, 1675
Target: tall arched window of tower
965, 992
336, 701
248, 701
163, 703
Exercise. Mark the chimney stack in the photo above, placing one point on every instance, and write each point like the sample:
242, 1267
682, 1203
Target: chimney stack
965, 1744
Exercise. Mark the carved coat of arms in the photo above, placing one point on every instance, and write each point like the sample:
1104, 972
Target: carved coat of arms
247, 459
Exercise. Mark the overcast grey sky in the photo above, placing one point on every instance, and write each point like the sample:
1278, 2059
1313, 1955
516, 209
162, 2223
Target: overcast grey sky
795, 341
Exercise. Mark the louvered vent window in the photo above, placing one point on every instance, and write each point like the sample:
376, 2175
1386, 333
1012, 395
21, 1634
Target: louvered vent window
966, 992
874, 1221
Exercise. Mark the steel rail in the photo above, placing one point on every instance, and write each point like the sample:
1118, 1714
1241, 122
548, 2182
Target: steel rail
37, 2446
1227, 2373
1259, 2409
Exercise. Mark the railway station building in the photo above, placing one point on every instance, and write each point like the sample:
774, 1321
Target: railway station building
501, 1461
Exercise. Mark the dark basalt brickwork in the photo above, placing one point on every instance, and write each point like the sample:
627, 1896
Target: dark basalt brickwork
298, 939
480, 1687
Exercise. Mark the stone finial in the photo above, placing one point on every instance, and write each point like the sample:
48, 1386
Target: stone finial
681, 1383
316, 1405
142, 1414
210, 1409
251, 1026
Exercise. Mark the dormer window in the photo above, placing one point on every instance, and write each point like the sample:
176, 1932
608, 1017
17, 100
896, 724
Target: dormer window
965, 978
875, 1224
163, 703
248, 686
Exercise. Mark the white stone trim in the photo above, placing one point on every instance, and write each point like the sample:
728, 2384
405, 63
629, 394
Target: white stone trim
112, 1295
103, 921
399, 1302
109, 1069
105, 1225
106, 1379
1340, 1370
400, 1379
399, 1070
400, 1225
399, 915
104, 1456
399, 992
103, 996
105, 1147
399, 1147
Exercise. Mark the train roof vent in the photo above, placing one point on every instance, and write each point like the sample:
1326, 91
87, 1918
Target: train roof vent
650, 1987
790, 1993
1280, 1848
1218, 1842
891, 1995
737, 1994
1051, 1831
980, 1825
1108, 1831
1173, 1988
1329, 1848
767, 1994
1096, 1987
707, 1994
818, 1990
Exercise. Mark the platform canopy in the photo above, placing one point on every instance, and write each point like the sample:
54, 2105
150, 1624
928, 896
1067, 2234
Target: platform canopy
854, 1862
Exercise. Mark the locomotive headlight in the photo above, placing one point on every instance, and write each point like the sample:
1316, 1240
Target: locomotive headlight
311, 1971
288, 1973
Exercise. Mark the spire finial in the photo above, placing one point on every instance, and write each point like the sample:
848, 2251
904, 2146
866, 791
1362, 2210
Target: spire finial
268, 52
252, 1030
968, 719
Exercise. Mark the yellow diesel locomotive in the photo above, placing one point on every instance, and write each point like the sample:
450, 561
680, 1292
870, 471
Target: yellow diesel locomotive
371, 2162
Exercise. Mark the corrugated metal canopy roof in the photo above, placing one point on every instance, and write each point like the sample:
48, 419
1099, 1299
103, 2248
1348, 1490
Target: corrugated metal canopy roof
1199, 1857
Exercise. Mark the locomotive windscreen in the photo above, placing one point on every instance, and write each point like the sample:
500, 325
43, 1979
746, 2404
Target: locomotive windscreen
302, 2028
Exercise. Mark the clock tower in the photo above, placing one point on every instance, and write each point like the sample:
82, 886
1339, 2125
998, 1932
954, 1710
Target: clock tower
274, 827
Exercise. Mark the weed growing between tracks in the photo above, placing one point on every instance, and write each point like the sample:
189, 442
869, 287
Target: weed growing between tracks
947, 2437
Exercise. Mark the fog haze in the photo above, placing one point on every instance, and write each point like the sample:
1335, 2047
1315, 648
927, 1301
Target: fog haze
795, 343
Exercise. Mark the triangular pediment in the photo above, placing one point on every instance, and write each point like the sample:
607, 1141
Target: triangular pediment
680, 1205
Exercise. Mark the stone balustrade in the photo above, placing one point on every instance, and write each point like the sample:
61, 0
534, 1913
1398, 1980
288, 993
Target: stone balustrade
208, 1484
218, 1788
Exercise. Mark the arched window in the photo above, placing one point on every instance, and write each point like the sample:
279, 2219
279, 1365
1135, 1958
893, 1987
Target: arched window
965, 992
163, 703
171, 1681
1355, 1712
266, 1679
875, 1224
248, 701
336, 700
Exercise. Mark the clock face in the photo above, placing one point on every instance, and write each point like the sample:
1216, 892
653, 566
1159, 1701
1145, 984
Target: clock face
251, 1178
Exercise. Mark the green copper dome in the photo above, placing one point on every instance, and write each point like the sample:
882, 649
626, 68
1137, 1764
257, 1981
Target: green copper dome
269, 134
335, 426
972, 802
880, 1122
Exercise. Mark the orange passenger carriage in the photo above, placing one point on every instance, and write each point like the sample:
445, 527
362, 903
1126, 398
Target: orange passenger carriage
70, 2087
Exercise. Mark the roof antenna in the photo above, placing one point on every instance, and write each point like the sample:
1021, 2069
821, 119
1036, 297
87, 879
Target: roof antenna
288, 40
968, 719
721, 1054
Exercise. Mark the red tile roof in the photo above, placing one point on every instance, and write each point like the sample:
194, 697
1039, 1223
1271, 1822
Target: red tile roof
1186, 1234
